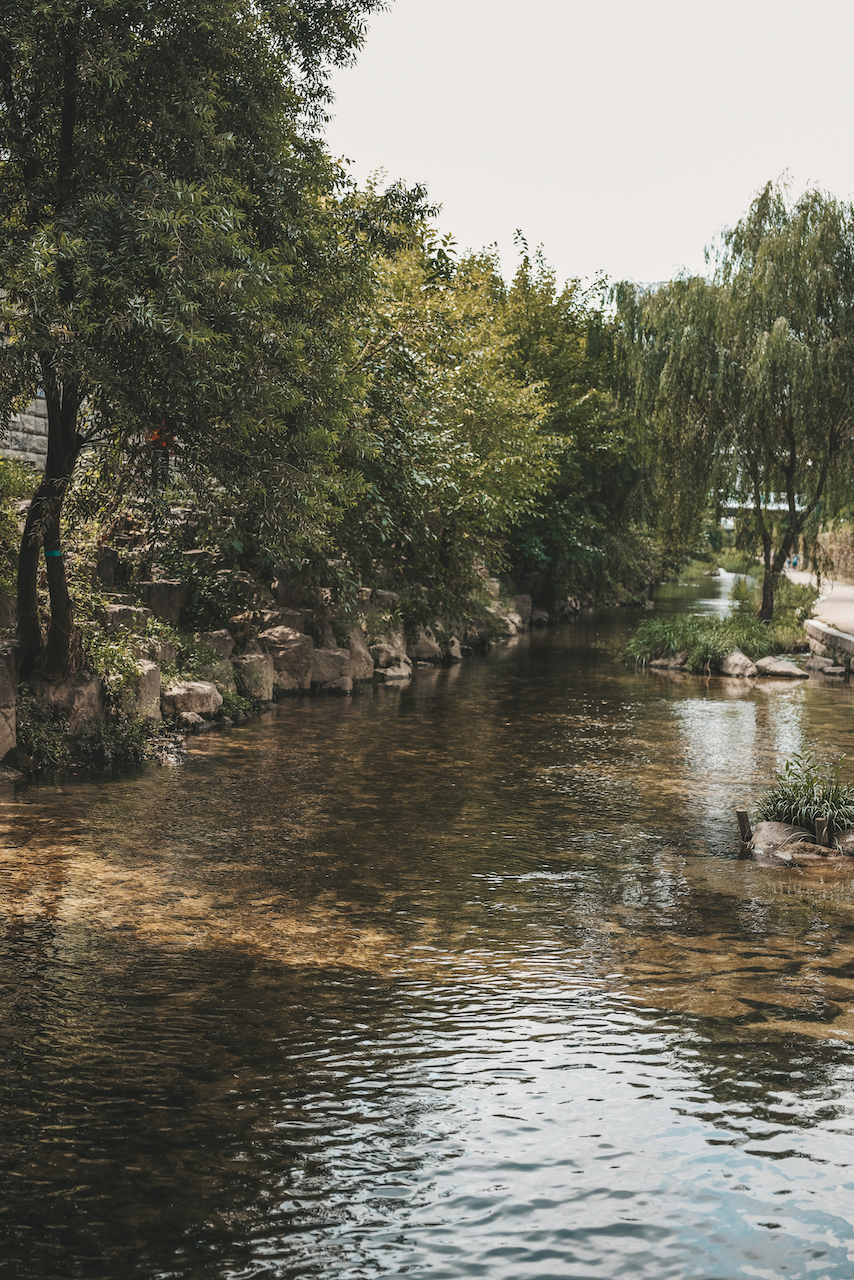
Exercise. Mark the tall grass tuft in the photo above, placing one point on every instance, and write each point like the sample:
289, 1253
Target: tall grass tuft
807, 789
705, 641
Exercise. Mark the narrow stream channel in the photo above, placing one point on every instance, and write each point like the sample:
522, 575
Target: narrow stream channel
463, 979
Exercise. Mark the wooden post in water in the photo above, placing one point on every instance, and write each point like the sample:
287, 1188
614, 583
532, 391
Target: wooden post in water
744, 825
821, 830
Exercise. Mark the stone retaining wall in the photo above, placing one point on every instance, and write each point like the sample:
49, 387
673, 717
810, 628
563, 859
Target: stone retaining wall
27, 437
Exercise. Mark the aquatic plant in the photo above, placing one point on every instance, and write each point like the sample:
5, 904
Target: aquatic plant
806, 789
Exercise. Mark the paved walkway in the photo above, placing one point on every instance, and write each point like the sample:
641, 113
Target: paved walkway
836, 606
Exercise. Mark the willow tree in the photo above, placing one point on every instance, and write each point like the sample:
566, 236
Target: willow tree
743, 384
167, 258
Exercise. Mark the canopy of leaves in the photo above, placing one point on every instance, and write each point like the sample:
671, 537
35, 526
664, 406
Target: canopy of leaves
743, 384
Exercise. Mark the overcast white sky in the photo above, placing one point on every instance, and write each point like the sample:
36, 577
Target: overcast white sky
622, 134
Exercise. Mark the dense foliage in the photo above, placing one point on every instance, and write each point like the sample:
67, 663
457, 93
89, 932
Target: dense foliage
806, 789
743, 385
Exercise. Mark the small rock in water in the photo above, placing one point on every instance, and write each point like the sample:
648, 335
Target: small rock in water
780, 667
737, 663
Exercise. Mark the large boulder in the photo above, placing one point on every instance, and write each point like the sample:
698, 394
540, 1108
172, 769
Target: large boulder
293, 618
292, 653
771, 838
780, 667
389, 650
191, 695
7, 711
361, 663
508, 621
399, 672
330, 666
524, 606
455, 650
80, 698
254, 674
424, 648
539, 618
165, 598
219, 642
737, 663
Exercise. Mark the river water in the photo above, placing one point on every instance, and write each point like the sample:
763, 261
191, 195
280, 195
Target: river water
462, 979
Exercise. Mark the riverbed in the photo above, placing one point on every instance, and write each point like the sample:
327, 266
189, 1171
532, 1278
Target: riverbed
460, 979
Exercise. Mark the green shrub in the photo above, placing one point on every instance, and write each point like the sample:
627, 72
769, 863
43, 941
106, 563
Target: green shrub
807, 789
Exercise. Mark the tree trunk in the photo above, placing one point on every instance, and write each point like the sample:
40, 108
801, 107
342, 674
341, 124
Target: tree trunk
42, 529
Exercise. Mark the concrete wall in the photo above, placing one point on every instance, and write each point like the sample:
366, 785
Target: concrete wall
27, 438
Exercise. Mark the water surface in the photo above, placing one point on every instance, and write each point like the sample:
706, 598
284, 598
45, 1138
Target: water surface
462, 979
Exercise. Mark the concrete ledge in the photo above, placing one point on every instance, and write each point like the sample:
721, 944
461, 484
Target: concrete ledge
839, 641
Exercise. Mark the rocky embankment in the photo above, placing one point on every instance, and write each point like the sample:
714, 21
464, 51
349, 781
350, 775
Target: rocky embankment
278, 643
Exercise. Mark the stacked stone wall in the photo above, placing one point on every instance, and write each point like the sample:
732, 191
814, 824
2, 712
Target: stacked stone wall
26, 439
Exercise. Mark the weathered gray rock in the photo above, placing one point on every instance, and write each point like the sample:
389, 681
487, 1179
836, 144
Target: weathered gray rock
836, 642
199, 696
190, 720
148, 691
7, 712
819, 663
539, 618
455, 650
292, 654
389, 650
80, 698
773, 837
508, 620
125, 617
780, 667
293, 618
254, 674
240, 587
737, 663
8, 611
424, 648
838, 673
106, 565
399, 672
219, 642
361, 663
524, 606
165, 598
329, 666
387, 600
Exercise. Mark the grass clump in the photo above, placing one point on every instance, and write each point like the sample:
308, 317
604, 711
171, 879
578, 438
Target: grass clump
705, 641
806, 789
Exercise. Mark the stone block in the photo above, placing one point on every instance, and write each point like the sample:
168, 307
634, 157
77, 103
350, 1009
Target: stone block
8, 727
125, 617
292, 653
424, 648
524, 606
254, 674
455, 650
106, 565
192, 695
361, 663
838, 642
80, 698
329, 666
8, 612
780, 667
293, 618
148, 691
165, 598
219, 642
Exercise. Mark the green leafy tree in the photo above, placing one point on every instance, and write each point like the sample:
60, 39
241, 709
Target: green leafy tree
457, 455
171, 272
588, 532
743, 384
